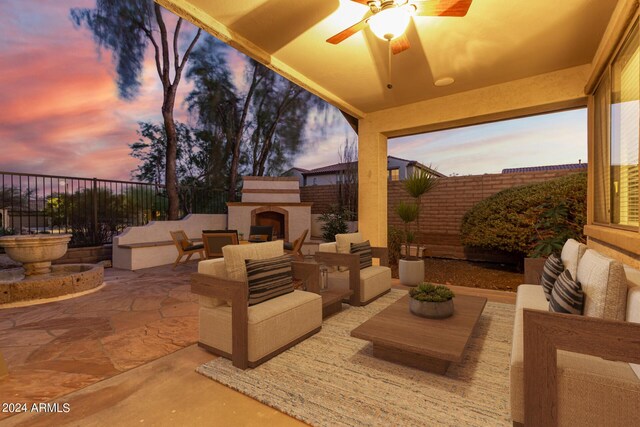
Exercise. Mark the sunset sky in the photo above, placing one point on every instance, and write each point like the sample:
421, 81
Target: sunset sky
61, 115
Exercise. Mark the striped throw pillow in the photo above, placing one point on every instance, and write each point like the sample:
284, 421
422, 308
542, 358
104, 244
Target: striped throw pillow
269, 278
364, 250
552, 268
566, 296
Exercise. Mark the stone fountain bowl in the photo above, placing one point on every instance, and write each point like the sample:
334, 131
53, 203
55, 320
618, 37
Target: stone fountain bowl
64, 281
36, 251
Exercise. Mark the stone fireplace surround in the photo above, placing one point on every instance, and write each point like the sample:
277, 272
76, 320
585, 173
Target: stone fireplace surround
267, 200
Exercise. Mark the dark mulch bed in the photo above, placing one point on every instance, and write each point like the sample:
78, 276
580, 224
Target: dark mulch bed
471, 274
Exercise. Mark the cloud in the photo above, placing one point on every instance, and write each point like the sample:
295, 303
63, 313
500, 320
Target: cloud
60, 112
534, 141
326, 132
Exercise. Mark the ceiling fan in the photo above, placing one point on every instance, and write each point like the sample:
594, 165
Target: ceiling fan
388, 19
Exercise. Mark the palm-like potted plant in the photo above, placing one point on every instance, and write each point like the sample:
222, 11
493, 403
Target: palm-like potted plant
410, 267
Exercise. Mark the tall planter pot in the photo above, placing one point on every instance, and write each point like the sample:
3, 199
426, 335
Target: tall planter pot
411, 272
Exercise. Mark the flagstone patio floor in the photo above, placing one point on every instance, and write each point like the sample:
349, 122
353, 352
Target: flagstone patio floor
55, 348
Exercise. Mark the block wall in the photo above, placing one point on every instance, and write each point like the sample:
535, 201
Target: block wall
443, 208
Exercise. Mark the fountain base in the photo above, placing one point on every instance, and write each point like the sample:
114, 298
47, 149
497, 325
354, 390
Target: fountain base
64, 279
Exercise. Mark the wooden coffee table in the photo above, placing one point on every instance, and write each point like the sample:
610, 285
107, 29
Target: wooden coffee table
429, 344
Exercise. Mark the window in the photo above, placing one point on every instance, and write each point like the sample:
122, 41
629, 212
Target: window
617, 136
394, 174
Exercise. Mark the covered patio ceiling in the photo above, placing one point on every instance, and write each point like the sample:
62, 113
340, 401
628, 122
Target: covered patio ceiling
497, 41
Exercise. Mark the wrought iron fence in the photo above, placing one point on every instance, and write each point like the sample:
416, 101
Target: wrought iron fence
92, 210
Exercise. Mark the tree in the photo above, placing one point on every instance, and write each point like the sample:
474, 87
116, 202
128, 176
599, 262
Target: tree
126, 27
191, 154
280, 110
348, 182
258, 128
12, 196
219, 111
193, 160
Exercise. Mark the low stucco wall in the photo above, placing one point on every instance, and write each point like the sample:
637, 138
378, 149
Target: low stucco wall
158, 231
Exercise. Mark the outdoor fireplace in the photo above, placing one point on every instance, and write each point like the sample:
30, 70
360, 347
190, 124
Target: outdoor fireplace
274, 217
273, 201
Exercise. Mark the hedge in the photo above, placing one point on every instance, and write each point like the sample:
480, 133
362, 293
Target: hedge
529, 220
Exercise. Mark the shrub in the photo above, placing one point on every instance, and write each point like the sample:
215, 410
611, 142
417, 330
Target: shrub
534, 219
334, 222
431, 293
395, 238
6, 231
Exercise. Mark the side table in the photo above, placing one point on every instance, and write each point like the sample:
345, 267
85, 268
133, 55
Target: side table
309, 271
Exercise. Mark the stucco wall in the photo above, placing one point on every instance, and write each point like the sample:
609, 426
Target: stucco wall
158, 231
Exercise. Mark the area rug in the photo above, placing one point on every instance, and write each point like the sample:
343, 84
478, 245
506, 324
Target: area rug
332, 379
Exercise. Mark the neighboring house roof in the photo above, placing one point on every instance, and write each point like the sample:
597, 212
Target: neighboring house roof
401, 159
423, 167
294, 169
574, 166
339, 167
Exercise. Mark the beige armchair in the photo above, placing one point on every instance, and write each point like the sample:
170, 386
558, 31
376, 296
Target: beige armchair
250, 335
367, 284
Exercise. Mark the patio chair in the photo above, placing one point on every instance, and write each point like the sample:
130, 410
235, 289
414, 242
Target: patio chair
185, 247
295, 248
260, 233
236, 325
214, 240
368, 283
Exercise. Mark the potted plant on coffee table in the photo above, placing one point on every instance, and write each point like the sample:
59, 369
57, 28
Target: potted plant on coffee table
410, 267
432, 301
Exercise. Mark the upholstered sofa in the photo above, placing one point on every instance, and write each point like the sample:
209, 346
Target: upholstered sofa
590, 390
368, 283
250, 335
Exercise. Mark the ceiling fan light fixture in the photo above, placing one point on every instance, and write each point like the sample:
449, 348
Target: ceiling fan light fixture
390, 23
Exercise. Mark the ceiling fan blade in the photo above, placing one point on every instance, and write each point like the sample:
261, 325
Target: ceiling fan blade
442, 7
400, 44
345, 34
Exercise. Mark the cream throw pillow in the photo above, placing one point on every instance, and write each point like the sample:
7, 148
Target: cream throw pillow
235, 255
604, 285
572, 252
344, 241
